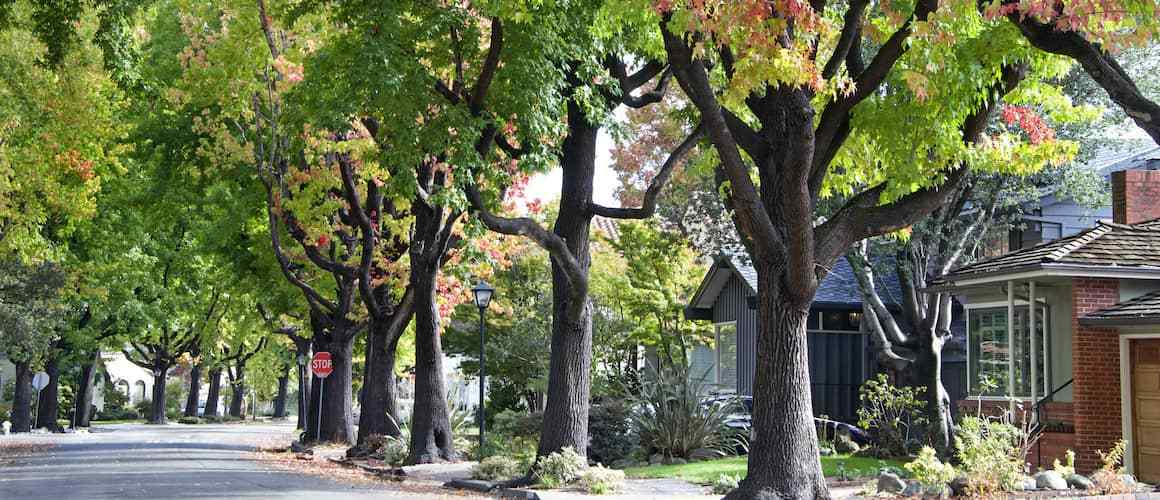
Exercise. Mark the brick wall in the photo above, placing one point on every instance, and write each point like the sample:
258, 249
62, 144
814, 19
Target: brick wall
1135, 196
1096, 368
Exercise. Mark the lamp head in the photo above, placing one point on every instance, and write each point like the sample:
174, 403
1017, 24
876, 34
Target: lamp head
483, 293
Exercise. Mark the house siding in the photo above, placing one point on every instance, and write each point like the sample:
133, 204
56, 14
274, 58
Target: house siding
732, 305
1096, 366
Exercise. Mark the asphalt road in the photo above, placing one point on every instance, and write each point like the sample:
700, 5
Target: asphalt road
174, 461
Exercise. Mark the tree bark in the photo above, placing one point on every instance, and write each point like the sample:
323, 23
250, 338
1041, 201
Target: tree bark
569, 381
783, 458
337, 417
22, 400
194, 398
431, 438
380, 411
238, 390
83, 401
283, 390
157, 414
48, 402
213, 397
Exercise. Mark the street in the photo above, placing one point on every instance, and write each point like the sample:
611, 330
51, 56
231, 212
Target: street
172, 461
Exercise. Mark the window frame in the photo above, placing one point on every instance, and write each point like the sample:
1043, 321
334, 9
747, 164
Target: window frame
717, 357
1044, 348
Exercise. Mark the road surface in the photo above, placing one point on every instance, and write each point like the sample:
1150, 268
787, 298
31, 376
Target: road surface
172, 461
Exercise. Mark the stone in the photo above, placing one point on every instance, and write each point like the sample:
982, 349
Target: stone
825, 451
656, 459
889, 482
470, 485
1050, 480
912, 489
1129, 480
297, 447
1027, 484
959, 485
677, 461
1078, 482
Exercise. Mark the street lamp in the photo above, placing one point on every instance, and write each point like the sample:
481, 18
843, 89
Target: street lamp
302, 385
483, 293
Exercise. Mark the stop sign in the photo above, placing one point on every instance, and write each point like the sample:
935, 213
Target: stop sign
321, 364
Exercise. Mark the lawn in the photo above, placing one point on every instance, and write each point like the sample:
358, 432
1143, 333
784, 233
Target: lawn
708, 471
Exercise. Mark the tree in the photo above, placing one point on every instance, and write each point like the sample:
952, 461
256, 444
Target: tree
794, 103
29, 312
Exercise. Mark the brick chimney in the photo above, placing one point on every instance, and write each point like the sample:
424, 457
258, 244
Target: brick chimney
1135, 196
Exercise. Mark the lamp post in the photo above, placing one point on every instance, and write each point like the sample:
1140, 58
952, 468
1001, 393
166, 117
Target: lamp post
302, 403
483, 293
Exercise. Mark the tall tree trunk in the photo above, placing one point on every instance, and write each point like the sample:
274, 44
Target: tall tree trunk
283, 390
337, 417
380, 411
48, 403
157, 414
927, 372
238, 390
213, 397
22, 400
86, 381
431, 439
783, 457
569, 380
194, 398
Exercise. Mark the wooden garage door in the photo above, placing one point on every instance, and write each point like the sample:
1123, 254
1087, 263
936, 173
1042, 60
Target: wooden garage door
1146, 408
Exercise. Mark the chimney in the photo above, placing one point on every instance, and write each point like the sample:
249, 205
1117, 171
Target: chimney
1135, 196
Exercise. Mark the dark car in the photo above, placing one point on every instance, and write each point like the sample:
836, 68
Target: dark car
742, 418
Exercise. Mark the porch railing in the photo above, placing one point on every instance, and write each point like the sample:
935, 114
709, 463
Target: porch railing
1039, 413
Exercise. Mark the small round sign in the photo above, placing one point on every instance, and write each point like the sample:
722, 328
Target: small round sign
39, 381
321, 364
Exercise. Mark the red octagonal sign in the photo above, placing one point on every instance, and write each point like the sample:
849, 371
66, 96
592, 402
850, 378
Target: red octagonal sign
321, 364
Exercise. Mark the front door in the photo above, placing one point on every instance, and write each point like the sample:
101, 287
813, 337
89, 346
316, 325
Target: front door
1146, 408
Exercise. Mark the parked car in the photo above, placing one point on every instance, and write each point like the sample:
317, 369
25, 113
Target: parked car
742, 418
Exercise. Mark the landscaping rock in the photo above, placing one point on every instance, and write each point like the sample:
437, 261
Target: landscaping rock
656, 459
1027, 484
1079, 482
1050, 480
677, 461
889, 482
1129, 480
959, 485
470, 485
297, 447
912, 489
825, 451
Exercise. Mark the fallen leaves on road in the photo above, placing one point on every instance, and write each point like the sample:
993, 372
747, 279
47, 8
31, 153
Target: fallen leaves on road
318, 465
13, 449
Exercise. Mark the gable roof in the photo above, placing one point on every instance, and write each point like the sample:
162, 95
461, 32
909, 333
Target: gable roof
1144, 309
838, 288
1107, 247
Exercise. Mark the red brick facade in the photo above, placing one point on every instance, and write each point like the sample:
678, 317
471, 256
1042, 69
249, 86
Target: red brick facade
1096, 369
1135, 196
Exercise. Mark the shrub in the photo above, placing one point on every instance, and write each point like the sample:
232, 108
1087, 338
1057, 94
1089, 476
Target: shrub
144, 408
560, 468
116, 413
891, 415
726, 483
599, 480
518, 423
610, 431
392, 450
189, 420
671, 420
988, 452
496, 468
929, 471
1067, 468
1108, 479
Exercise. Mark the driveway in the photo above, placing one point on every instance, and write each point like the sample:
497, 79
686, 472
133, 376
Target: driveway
172, 461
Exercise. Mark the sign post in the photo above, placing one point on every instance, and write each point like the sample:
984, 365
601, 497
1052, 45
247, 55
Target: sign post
322, 366
39, 382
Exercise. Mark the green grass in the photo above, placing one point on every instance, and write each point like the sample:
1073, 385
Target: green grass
708, 471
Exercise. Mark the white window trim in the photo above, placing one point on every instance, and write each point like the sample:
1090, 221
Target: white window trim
1044, 347
717, 356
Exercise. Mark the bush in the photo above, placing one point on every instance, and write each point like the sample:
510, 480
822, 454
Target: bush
144, 408
518, 423
599, 480
610, 431
989, 455
891, 415
560, 468
929, 471
116, 413
392, 450
726, 483
1107, 479
189, 420
671, 420
1067, 468
113, 397
497, 468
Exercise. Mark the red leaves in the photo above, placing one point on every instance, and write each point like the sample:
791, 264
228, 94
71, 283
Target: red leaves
323, 240
1037, 129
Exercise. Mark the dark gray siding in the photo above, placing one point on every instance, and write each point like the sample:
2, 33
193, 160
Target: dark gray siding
837, 370
732, 304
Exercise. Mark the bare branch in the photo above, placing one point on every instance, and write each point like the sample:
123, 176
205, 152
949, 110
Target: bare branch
652, 193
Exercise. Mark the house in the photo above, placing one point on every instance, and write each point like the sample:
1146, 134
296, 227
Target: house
841, 357
1070, 331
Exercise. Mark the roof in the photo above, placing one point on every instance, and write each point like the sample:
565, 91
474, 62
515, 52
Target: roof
1144, 309
609, 227
1108, 246
838, 288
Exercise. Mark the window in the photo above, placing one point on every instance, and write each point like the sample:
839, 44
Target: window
727, 356
990, 352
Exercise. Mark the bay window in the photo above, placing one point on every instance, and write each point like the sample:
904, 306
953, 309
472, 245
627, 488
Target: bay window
991, 353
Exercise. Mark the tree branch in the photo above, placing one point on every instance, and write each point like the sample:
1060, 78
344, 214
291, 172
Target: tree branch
652, 193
